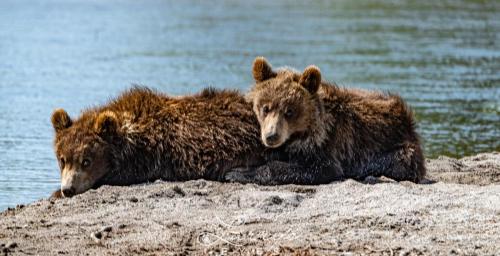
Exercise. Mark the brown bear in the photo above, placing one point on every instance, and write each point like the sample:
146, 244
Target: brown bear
144, 135
330, 132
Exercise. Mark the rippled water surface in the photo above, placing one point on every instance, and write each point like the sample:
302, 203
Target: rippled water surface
442, 56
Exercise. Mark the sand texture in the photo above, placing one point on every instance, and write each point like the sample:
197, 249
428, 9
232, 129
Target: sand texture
458, 214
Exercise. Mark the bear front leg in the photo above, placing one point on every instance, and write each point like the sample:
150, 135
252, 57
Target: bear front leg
242, 175
278, 173
408, 164
405, 163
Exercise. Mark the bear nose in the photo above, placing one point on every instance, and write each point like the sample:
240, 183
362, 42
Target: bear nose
272, 138
68, 192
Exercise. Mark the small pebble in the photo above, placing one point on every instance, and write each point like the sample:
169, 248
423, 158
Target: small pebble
107, 229
122, 226
276, 200
11, 245
96, 236
173, 224
178, 190
134, 200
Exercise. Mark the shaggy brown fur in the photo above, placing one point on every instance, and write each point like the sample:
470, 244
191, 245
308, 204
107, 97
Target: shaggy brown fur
144, 135
334, 132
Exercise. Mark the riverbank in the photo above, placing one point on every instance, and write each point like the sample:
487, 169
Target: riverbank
459, 213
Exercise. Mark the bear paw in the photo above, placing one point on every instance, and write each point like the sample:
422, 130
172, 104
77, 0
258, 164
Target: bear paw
240, 175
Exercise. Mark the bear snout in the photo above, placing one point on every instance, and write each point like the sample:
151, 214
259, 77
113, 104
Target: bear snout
272, 138
75, 182
68, 192
274, 131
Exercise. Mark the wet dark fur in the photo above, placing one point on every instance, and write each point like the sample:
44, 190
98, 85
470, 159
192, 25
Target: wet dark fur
365, 133
162, 137
372, 133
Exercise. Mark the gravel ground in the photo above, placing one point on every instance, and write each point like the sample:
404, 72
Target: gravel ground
456, 212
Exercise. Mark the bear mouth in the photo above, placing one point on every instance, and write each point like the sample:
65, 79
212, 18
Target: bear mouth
273, 144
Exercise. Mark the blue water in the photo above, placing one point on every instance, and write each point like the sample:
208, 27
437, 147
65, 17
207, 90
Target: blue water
442, 56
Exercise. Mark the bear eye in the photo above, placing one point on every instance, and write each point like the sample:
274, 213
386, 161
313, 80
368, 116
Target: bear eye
85, 163
265, 110
289, 113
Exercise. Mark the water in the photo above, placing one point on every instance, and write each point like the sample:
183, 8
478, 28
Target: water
442, 56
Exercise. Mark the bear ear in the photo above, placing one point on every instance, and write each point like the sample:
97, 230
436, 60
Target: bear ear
106, 123
60, 120
311, 79
262, 70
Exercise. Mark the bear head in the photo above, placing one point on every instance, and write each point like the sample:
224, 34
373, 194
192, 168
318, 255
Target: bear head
285, 101
83, 149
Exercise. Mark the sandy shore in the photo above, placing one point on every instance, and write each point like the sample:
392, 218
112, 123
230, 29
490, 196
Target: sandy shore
457, 214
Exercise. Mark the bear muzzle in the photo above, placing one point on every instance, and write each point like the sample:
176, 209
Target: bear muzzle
74, 182
274, 130
271, 138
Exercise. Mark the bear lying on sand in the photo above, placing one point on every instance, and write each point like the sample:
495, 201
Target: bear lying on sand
143, 135
315, 133
329, 132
